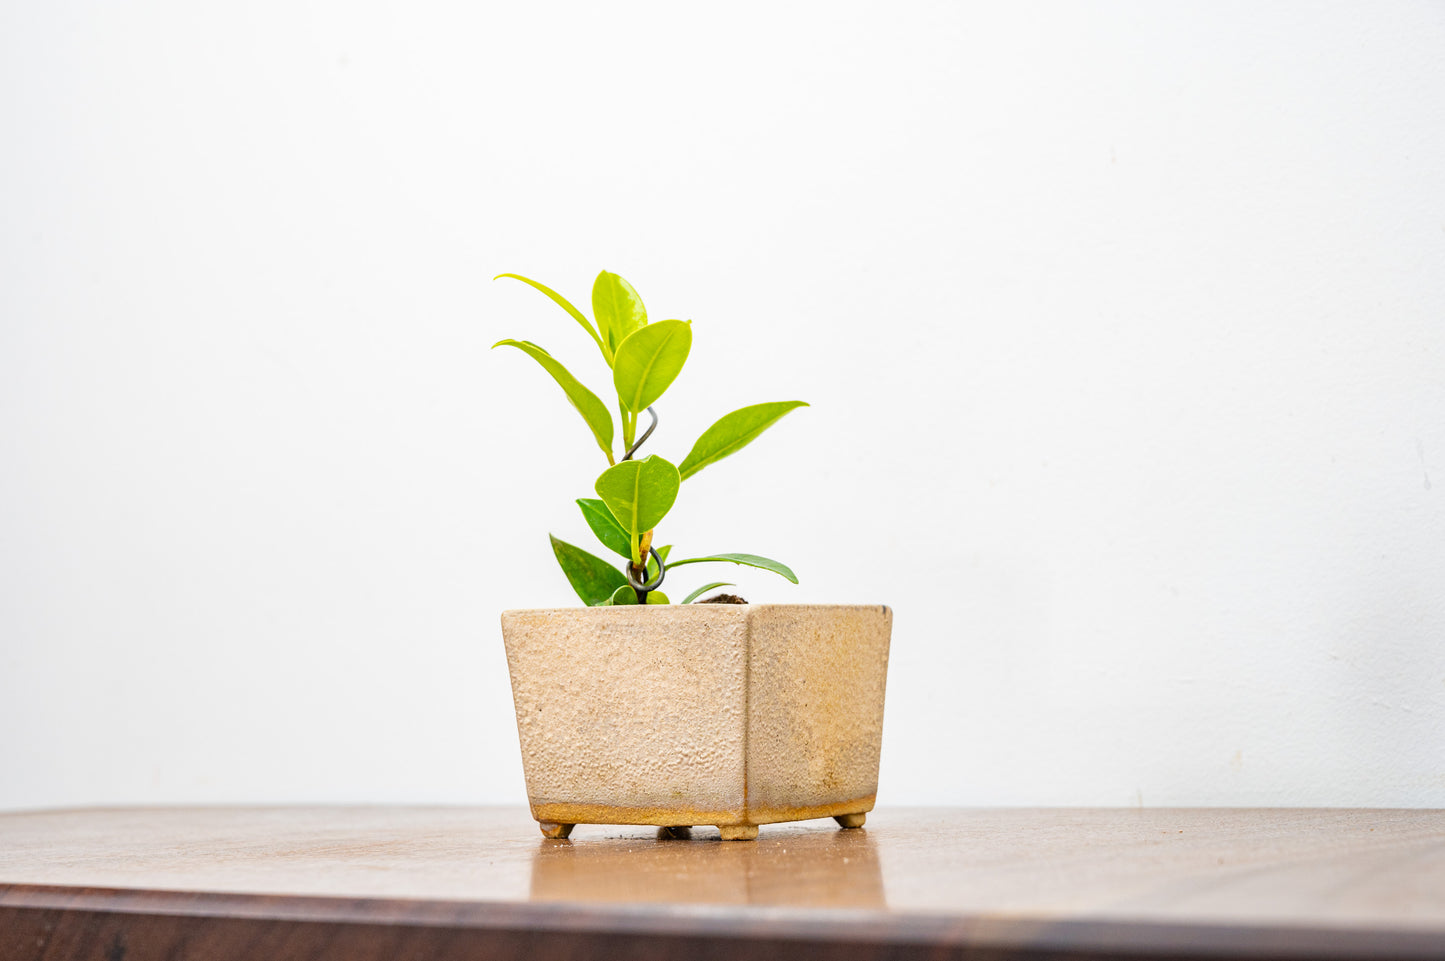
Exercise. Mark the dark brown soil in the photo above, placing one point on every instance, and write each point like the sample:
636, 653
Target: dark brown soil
722, 599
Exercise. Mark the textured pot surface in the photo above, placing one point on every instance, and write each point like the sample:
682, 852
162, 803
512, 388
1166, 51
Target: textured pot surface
733, 715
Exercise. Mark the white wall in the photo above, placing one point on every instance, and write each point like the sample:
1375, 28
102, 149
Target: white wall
1123, 325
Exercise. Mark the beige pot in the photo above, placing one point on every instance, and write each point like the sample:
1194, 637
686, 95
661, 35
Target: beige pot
732, 715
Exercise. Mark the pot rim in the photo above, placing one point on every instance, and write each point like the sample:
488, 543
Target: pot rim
613, 611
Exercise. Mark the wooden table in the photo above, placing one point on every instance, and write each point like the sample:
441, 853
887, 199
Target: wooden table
389, 884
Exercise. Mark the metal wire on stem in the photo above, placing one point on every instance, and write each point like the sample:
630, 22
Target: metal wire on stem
644, 587
645, 434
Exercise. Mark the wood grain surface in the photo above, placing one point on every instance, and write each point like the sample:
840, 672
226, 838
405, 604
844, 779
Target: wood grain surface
371, 882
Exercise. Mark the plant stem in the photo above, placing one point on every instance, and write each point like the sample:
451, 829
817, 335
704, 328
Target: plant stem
629, 429
644, 545
632, 448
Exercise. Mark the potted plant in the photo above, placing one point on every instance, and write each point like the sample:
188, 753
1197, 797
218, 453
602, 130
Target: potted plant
635, 710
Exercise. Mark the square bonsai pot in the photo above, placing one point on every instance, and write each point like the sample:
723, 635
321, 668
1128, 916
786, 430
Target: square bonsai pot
733, 715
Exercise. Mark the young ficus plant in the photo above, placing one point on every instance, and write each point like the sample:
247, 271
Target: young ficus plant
633, 496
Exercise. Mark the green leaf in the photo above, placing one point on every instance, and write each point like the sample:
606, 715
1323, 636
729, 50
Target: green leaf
751, 560
626, 595
594, 579
566, 305
618, 309
588, 404
662, 552
639, 493
648, 361
605, 526
733, 432
704, 589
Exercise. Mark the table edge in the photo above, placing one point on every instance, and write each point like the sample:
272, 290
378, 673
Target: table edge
1019, 935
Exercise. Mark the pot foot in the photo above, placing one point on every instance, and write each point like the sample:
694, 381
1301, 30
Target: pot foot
551, 829
850, 820
738, 832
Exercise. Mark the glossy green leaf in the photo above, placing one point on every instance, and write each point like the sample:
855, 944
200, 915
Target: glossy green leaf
566, 305
618, 309
648, 361
704, 589
639, 493
732, 432
751, 560
588, 404
605, 526
594, 579
626, 595
662, 552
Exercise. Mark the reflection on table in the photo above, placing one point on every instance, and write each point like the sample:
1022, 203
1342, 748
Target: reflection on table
792, 866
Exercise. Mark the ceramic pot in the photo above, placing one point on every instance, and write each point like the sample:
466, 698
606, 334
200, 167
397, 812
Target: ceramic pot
732, 715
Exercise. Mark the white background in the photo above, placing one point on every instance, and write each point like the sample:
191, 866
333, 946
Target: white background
1123, 327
